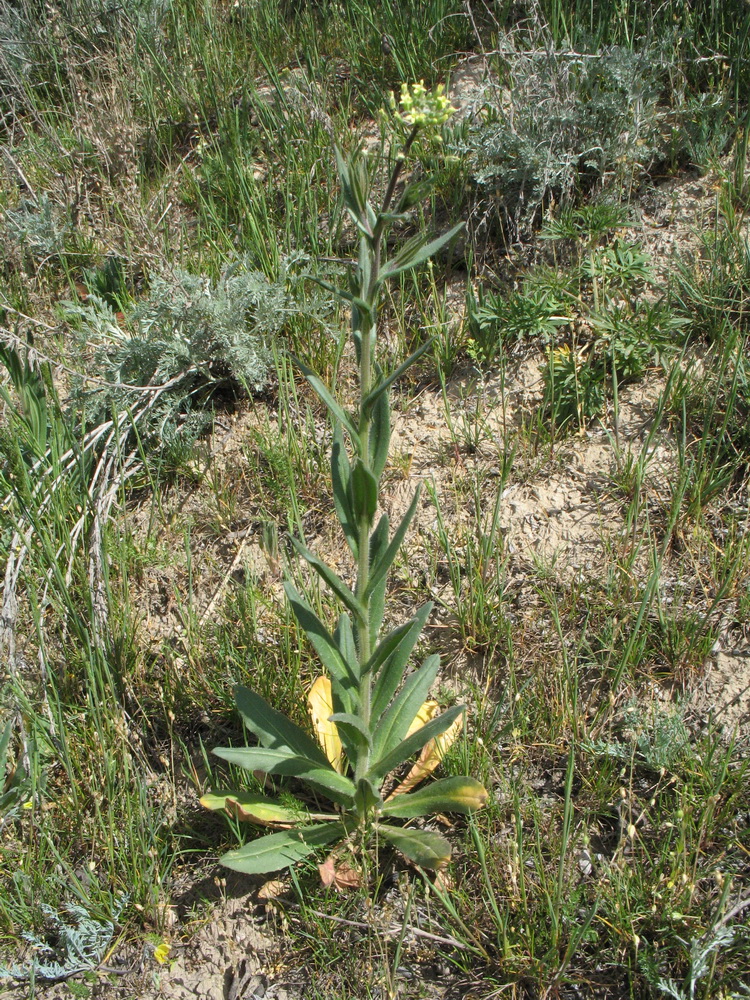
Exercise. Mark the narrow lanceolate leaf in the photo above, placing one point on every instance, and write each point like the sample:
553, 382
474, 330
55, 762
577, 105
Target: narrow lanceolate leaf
340, 666
380, 434
413, 743
333, 580
394, 726
384, 385
322, 390
344, 639
379, 569
367, 797
273, 729
423, 847
258, 809
320, 703
341, 473
463, 795
415, 252
364, 493
361, 310
387, 646
354, 729
351, 187
392, 670
432, 752
321, 777
281, 850
377, 610
378, 546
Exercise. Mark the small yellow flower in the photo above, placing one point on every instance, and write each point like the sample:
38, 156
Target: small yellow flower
419, 106
161, 952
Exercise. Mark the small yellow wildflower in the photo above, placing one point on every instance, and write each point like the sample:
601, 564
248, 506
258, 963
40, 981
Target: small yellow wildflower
427, 108
161, 952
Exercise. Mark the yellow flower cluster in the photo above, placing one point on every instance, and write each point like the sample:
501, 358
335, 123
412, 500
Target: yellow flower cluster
422, 107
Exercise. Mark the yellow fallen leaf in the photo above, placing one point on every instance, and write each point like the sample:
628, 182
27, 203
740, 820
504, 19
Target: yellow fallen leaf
320, 703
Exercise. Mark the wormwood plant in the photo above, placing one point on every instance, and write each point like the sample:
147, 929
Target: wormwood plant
370, 720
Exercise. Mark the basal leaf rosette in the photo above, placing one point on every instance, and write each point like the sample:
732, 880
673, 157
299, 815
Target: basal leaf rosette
288, 750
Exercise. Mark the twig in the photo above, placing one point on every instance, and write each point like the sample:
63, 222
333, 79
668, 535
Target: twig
222, 586
21, 175
418, 932
16, 341
738, 907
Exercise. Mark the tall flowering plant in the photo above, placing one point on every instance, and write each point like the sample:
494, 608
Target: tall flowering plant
369, 711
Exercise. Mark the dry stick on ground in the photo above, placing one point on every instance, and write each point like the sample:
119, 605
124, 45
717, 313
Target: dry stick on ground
391, 931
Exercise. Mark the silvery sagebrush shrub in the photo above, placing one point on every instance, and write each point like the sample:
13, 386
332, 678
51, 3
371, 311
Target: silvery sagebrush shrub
370, 714
566, 120
190, 340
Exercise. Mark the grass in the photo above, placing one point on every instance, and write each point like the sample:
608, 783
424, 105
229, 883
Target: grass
141, 566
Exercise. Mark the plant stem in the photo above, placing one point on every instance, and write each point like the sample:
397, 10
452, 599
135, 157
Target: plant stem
371, 246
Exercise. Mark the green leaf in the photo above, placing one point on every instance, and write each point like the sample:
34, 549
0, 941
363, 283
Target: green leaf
462, 795
281, 850
342, 669
364, 492
367, 797
353, 728
393, 668
341, 474
322, 390
274, 729
415, 252
414, 743
380, 434
379, 569
362, 307
4, 742
387, 646
344, 638
251, 808
394, 725
423, 847
368, 403
414, 193
350, 186
333, 580
378, 545
336, 786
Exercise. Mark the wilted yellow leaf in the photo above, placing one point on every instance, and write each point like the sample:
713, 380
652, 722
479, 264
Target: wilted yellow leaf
252, 808
432, 752
320, 703
427, 712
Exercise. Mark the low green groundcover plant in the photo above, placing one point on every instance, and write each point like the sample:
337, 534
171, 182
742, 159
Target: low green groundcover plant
370, 719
